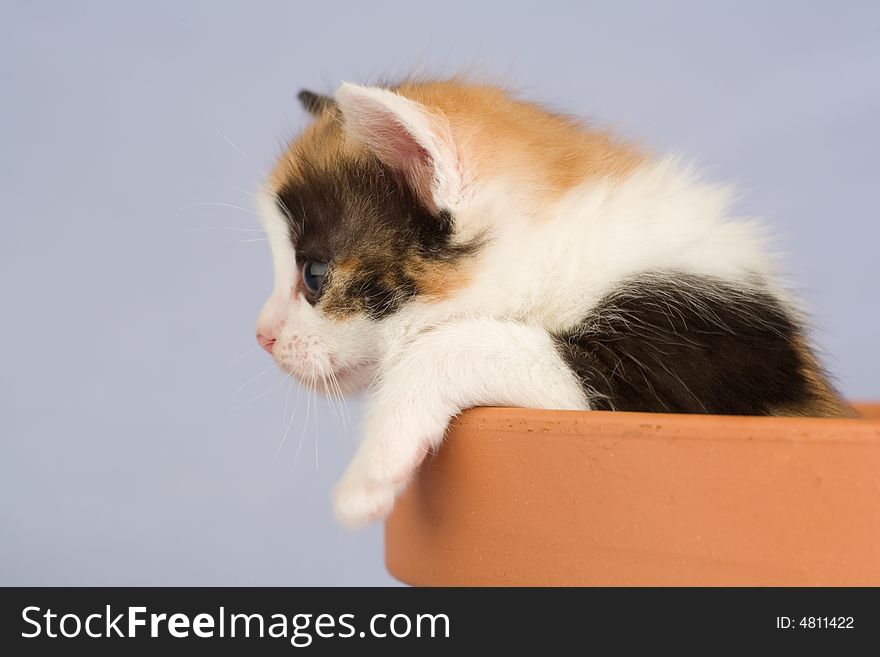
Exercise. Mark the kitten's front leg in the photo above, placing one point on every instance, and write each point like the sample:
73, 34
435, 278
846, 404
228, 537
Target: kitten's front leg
466, 363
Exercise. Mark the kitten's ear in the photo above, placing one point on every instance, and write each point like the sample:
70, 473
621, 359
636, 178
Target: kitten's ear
406, 136
314, 103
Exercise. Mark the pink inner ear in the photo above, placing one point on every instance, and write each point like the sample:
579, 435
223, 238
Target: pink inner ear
392, 143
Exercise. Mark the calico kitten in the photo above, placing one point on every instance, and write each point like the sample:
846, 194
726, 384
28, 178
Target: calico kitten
445, 245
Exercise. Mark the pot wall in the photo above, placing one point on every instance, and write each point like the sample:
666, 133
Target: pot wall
536, 497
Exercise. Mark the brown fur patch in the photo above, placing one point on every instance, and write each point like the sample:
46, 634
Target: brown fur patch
823, 400
690, 344
336, 302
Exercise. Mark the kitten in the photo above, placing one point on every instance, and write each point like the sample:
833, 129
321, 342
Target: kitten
445, 245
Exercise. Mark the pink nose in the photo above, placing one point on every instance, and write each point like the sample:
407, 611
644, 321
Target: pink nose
266, 342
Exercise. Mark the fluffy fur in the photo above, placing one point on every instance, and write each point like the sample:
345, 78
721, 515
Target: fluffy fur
483, 251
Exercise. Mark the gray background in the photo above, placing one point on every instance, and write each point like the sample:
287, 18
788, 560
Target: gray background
127, 289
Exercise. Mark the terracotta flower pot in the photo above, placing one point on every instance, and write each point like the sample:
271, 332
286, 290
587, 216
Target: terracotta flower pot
531, 497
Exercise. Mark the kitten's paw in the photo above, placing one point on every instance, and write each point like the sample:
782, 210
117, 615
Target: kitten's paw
393, 448
359, 500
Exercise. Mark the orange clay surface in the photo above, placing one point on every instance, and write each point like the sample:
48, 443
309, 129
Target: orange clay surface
536, 497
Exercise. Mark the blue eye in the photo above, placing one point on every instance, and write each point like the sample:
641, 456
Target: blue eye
313, 275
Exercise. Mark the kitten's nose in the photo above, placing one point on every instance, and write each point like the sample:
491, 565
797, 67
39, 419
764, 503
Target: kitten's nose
267, 342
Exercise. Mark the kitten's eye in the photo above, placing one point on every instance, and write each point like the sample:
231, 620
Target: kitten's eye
313, 274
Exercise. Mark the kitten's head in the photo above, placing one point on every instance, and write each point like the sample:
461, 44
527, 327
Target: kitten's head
386, 204
360, 217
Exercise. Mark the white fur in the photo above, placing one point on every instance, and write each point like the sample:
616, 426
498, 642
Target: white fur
553, 266
541, 271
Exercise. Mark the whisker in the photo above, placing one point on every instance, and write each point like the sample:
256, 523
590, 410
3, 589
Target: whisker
284, 410
317, 465
262, 394
290, 421
241, 190
302, 435
328, 389
236, 228
218, 204
228, 140
314, 379
342, 403
251, 380
247, 353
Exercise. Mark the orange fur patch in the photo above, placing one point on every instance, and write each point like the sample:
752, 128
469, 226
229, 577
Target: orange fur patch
438, 280
500, 135
321, 142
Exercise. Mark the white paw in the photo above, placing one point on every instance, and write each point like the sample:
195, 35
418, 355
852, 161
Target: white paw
372, 481
359, 500
393, 448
